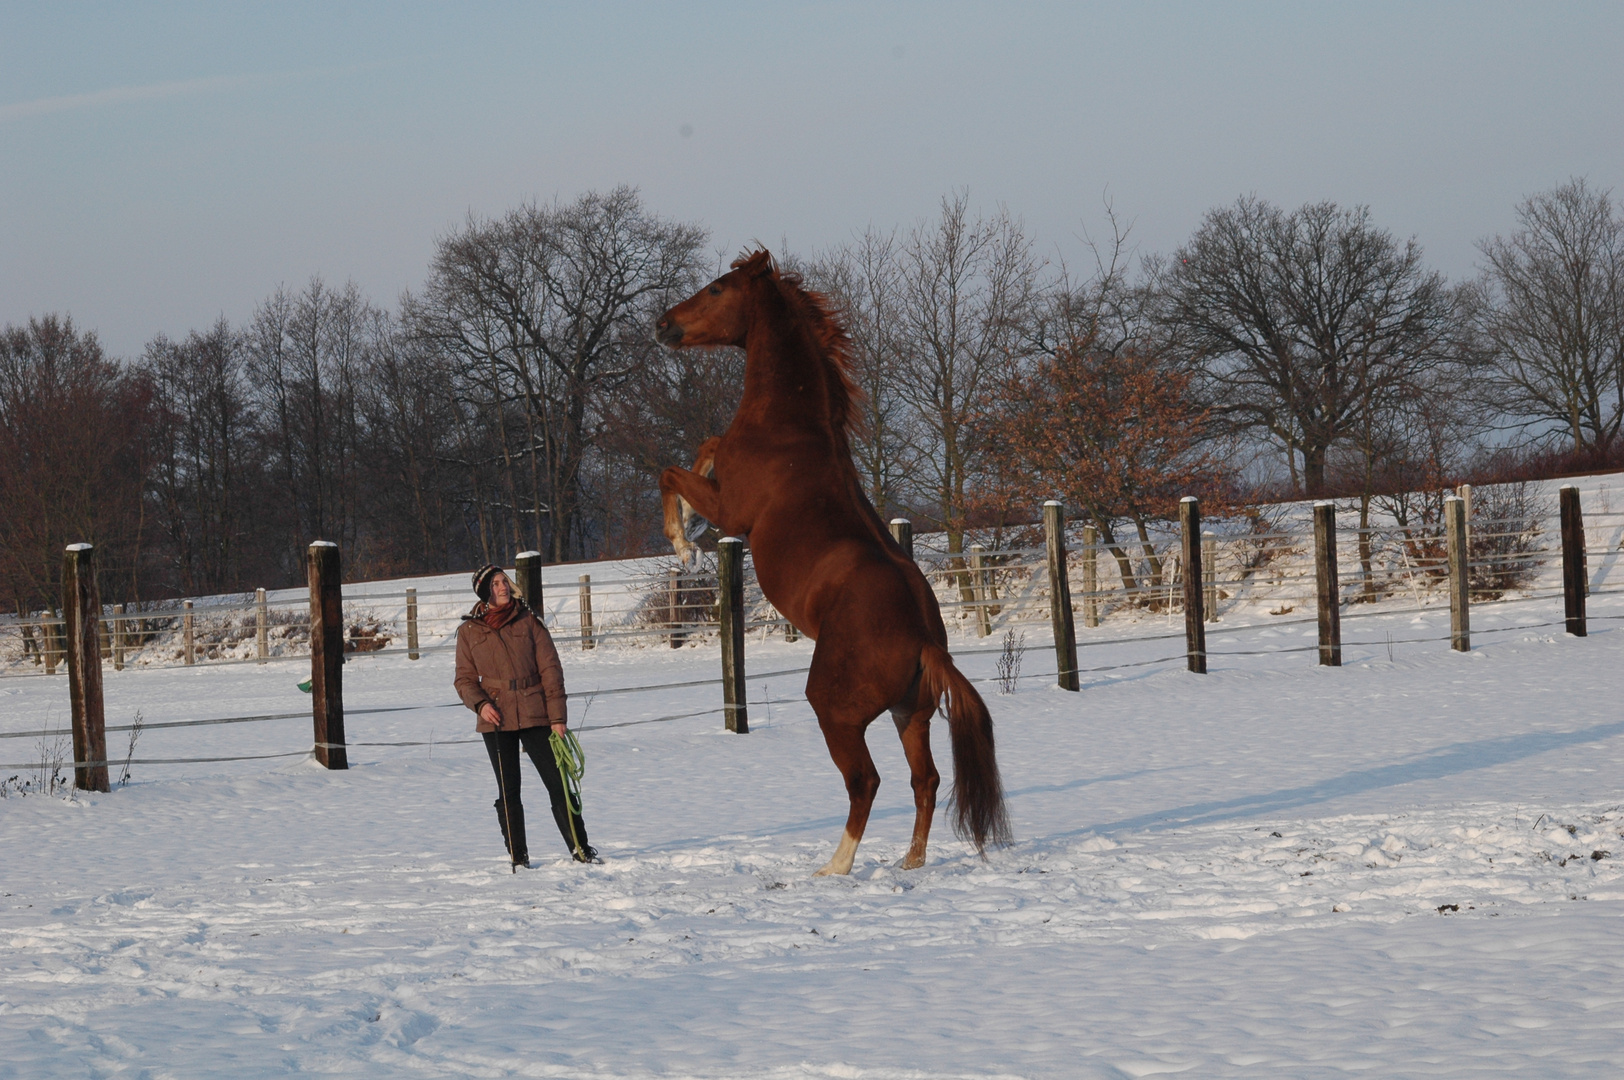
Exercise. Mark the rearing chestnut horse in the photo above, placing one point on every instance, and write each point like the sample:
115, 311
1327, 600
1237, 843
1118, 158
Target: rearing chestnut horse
782, 476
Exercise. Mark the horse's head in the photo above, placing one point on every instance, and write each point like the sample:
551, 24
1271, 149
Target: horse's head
718, 314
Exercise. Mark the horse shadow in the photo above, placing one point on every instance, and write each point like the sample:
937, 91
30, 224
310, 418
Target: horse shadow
1447, 761
835, 821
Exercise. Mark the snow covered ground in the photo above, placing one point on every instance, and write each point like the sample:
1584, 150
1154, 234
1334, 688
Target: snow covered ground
1409, 866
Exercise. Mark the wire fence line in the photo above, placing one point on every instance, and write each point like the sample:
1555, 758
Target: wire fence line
979, 589
691, 683
693, 714
1000, 586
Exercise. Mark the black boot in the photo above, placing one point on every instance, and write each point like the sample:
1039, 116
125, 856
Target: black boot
518, 851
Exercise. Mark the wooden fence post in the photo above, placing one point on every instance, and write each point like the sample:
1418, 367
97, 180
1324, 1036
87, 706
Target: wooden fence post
30, 646
902, 533
81, 610
1575, 581
978, 578
188, 635
118, 637
673, 589
587, 639
1091, 576
327, 654
52, 633
730, 585
1460, 597
1195, 631
527, 579
1060, 617
1464, 492
412, 651
1367, 574
1209, 573
262, 627
1328, 591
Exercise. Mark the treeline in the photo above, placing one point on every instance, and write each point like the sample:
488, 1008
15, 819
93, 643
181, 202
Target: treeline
517, 399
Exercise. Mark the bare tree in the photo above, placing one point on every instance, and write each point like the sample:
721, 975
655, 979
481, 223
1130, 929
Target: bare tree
481, 293
1109, 309
73, 460
305, 353
204, 471
1554, 315
967, 286
549, 308
1299, 323
411, 423
1411, 438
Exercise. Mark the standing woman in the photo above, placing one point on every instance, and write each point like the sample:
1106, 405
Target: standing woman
508, 673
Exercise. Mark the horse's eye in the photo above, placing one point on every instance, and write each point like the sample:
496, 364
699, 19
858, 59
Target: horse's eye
715, 291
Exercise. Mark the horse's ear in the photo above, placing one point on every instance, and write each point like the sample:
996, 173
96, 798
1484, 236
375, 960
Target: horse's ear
757, 263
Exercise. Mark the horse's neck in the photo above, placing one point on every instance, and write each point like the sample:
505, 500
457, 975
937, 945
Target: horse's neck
784, 377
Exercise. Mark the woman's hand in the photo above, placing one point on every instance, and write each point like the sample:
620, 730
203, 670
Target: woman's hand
559, 727
488, 713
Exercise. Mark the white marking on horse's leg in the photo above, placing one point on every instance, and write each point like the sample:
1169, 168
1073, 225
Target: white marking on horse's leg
687, 554
845, 853
915, 857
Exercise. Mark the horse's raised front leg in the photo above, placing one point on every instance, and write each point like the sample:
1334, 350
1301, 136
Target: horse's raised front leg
695, 524
680, 487
705, 456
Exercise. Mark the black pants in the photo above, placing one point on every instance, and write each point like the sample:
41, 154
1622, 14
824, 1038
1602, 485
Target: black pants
503, 748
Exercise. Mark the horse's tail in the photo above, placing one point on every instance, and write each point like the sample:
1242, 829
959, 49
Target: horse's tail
978, 794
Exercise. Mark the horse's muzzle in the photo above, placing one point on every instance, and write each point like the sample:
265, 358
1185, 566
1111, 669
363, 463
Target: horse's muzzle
668, 333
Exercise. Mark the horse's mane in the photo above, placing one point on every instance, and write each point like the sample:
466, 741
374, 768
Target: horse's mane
823, 316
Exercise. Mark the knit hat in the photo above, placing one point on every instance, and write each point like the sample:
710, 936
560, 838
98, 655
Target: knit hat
482, 580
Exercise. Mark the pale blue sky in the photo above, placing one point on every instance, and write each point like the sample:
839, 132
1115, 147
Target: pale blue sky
161, 165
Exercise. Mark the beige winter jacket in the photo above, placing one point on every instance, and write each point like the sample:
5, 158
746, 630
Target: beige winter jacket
515, 668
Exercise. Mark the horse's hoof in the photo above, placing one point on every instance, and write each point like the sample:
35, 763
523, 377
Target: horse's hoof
831, 870
911, 863
694, 528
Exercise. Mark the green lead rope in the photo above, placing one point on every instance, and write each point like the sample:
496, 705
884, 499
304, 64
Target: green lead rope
571, 762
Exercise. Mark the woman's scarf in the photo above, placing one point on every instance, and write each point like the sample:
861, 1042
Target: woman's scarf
496, 618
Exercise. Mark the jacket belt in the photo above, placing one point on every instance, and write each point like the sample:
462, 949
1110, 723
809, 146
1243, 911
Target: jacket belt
510, 684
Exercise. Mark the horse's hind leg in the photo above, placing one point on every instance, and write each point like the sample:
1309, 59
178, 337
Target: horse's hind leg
850, 752
915, 732
864, 663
